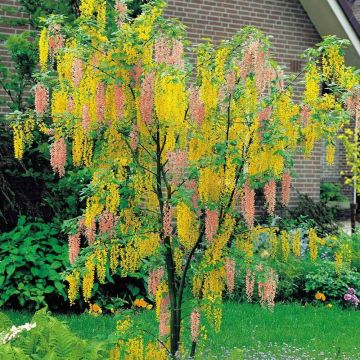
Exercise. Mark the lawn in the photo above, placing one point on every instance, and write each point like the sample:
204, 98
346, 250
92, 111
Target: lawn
290, 332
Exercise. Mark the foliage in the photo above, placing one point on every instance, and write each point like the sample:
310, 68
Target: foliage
32, 259
331, 192
298, 259
350, 139
50, 339
172, 157
315, 214
324, 278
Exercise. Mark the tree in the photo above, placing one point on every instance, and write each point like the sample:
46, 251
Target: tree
175, 153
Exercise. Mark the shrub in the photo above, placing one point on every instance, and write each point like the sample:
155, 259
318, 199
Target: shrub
30, 270
331, 192
325, 279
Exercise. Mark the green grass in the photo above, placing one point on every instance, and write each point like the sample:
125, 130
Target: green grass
290, 332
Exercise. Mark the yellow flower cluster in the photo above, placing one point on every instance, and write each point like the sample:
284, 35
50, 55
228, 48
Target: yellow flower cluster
170, 102
197, 282
19, 145
112, 198
101, 257
285, 245
88, 278
161, 290
343, 258
210, 184
273, 240
43, 49
94, 207
148, 245
338, 264
155, 351
208, 92
220, 60
296, 243
312, 85
122, 326
313, 247
215, 252
23, 136
212, 295
134, 349
114, 256
185, 220
333, 64
130, 257
330, 154
82, 147
74, 280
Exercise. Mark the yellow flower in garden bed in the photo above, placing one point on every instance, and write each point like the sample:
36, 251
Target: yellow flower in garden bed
142, 304
95, 309
320, 296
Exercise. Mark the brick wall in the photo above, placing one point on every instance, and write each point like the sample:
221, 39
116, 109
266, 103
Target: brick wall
292, 32
285, 20
9, 30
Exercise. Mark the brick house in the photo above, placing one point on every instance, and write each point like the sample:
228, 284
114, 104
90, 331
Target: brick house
295, 25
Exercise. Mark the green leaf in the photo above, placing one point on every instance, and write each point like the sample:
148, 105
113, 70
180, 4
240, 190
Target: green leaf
10, 270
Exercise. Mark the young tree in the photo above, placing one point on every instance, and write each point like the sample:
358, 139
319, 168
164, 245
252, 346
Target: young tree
175, 152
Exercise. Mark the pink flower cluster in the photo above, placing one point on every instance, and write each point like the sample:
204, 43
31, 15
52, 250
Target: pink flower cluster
265, 114
134, 137
164, 327
270, 196
248, 205
192, 185
56, 41
136, 72
230, 81
71, 104
90, 233
195, 325
169, 52
74, 247
147, 97
85, 118
196, 107
121, 10
167, 227
267, 290
154, 280
58, 157
41, 99
107, 223
100, 101
230, 274
211, 224
177, 163
305, 115
256, 60
249, 284
77, 71
285, 188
